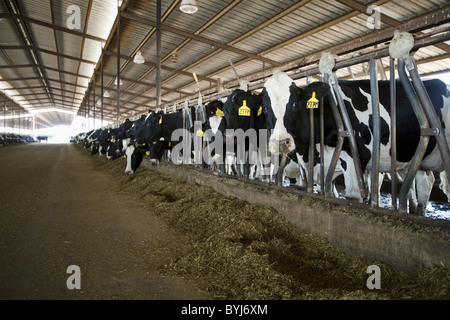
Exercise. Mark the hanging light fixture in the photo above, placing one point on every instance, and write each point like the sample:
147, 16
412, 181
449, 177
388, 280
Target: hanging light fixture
188, 6
106, 94
174, 57
139, 58
115, 81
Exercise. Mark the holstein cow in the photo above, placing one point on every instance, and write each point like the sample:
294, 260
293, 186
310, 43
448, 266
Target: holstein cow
117, 140
132, 148
104, 140
243, 111
217, 123
237, 117
286, 104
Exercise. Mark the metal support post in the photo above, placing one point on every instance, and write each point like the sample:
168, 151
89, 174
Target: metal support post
374, 198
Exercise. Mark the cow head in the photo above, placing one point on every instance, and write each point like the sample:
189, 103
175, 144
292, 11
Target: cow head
240, 108
214, 108
136, 128
215, 115
276, 95
123, 128
297, 116
281, 100
153, 127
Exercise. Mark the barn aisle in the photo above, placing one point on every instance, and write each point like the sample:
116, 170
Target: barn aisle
57, 211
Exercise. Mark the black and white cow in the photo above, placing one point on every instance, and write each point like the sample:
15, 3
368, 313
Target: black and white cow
243, 111
217, 124
104, 140
286, 107
134, 149
117, 140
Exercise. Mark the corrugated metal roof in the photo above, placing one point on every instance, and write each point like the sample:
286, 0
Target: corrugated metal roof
56, 63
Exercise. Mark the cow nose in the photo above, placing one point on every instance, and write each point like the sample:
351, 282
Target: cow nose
129, 172
282, 145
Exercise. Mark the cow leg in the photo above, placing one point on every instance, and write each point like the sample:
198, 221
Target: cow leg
301, 178
254, 165
129, 152
368, 180
230, 164
443, 185
424, 181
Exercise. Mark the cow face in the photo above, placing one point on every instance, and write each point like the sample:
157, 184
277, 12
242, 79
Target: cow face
136, 128
123, 128
297, 116
153, 127
215, 115
275, 98
114, 148
286, 107
239, 109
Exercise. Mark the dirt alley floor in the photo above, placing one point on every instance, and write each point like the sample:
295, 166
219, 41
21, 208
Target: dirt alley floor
151, 236
56, 210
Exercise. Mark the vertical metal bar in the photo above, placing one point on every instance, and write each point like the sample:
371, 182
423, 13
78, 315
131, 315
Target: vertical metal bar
432, 117
118, 62
322, 144
393, 93
4, 114
311, 148
423, 142
101, 93
158, 53
339, 144
94, 102
376, 134
351, 136
88, 106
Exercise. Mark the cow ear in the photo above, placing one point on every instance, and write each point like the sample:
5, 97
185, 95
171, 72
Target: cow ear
320, 88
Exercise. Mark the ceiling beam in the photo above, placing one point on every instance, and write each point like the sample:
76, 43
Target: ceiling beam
49, 25
385, 19
200, 38
25, 47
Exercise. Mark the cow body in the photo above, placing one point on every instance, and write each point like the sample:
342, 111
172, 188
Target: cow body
240, 122
290, 120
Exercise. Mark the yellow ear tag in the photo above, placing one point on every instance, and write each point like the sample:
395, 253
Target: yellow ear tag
143, 144
109, 131
132, 125
244, 111
147, 153
199, 133
112, 139
259, 111
169, 143
312, 103
160, 120
219, 113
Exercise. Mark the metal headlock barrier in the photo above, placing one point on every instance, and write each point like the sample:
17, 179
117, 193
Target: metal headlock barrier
417, 95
